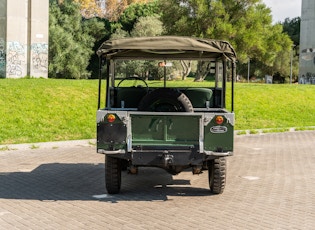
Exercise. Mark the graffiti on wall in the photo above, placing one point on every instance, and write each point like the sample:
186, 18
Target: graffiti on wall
309, 78
15, 58
40, 57
2, 58
308, 55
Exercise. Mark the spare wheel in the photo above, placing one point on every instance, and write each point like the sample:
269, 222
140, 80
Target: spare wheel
166, 100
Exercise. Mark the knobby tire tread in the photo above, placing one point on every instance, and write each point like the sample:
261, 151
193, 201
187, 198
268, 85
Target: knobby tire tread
113, 174
217, 175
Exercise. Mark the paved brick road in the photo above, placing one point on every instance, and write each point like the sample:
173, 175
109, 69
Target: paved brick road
270, 186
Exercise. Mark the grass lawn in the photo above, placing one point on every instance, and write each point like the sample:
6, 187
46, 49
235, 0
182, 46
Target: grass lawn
261, 106
39, 110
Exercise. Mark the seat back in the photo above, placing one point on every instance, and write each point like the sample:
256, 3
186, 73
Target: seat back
129, 97
199, 97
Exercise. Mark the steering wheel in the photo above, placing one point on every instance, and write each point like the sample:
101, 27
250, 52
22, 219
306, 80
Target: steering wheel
135, 80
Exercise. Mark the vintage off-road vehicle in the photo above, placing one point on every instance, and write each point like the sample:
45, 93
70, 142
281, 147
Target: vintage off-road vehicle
168, 103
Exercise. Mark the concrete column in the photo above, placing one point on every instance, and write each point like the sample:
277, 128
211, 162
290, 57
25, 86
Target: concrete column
307, 43
17, 32
26, 38
39, 24
3, 28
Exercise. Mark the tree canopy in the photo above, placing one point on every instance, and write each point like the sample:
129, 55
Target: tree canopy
71, 40
246, 24
292, 28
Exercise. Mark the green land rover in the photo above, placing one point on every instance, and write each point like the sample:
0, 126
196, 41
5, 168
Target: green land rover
166, 102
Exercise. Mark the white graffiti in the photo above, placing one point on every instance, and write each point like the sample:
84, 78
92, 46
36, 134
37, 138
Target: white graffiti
40, 57
308, 79
2, 58
15, 58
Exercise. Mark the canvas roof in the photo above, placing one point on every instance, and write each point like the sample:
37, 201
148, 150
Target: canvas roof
166, 47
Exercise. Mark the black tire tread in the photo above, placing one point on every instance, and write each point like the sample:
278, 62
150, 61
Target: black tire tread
217, 175
112, 174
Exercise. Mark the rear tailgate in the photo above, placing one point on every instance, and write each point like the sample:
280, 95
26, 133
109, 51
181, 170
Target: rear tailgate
172, 130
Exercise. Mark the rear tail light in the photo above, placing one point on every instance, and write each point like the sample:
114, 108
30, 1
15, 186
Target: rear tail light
219, 120
111, 118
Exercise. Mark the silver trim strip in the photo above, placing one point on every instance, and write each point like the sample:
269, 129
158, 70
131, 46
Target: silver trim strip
120, 151
218, 154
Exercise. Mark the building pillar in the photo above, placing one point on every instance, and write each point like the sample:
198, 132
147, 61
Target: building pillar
307, 43
3, 28
27, 23
38, 35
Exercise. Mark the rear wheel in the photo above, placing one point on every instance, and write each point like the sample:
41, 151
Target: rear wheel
217, 175
112, 174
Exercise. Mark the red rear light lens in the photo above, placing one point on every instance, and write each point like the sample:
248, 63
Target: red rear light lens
111, 118
219, 120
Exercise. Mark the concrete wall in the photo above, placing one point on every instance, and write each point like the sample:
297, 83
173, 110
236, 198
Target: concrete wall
25, 37
17, 32
39, 25
3, 28
307, 43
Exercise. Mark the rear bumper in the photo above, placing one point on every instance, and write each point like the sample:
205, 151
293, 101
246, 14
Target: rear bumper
160, 157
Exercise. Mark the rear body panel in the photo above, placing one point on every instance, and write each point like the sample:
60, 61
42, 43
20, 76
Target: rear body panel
194, 133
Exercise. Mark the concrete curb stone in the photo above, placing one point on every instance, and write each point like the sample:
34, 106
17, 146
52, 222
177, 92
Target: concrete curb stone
47, 145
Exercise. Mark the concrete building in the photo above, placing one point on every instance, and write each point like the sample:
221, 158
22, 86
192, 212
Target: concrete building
24, 38
307, 43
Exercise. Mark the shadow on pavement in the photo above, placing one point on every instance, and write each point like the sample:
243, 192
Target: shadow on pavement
86, 182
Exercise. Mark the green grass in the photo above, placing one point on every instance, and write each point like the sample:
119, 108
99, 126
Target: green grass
262, 106
39, 110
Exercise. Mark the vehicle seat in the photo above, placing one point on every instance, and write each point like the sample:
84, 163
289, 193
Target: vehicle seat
129, 97
199, 97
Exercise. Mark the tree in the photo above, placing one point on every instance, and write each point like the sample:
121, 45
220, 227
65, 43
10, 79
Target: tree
119, 33
147, 26
292, 27
144, 27
71, 40
246, 24
109, 9
115, 8
91, 8
134, 11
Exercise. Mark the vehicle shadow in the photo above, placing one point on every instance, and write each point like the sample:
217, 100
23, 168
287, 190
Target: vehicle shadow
86, 182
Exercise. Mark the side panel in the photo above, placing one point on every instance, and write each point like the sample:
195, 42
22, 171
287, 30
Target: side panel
111, 135
219, 138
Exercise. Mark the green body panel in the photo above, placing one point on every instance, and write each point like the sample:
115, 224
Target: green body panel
165, 130
218, 142
111, 135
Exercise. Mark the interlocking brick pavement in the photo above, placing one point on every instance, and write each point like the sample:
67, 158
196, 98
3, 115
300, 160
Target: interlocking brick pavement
270, 185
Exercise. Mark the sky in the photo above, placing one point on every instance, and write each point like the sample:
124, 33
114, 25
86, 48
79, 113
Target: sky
284, 9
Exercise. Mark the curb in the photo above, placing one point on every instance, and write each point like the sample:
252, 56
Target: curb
47, 145
272, 130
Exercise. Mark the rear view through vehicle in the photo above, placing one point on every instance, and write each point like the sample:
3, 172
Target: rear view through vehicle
166, 102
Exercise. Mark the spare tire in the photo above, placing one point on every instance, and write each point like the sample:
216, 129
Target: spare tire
166, 100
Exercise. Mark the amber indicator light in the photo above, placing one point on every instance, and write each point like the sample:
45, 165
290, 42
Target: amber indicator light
111, 118
219, 120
